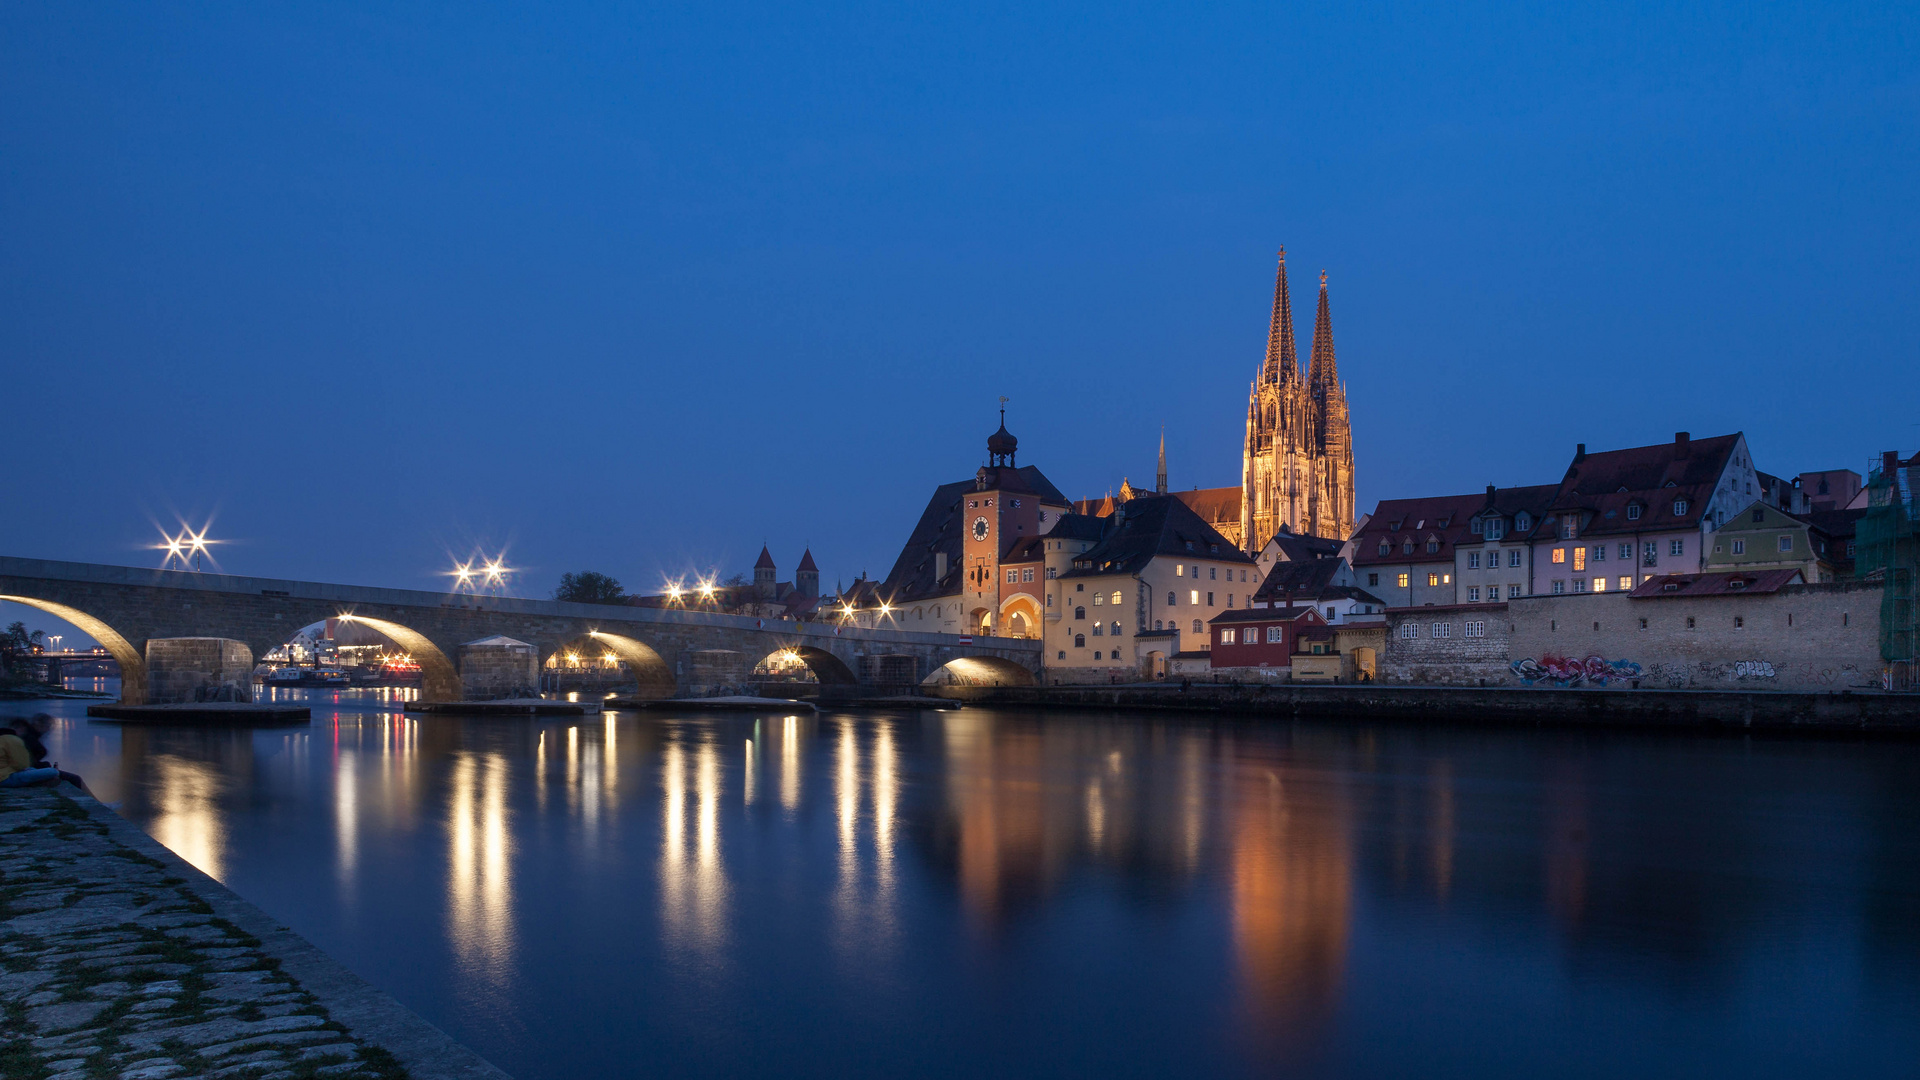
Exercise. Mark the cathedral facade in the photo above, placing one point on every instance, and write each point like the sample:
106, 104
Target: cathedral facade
1297, 471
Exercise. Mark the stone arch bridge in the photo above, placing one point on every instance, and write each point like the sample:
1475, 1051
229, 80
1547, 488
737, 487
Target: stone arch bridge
156, 622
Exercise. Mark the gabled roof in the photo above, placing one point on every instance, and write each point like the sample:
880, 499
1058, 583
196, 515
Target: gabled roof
1025, 549
1440, 518
1718, 584
939, 530
1213, 504
1279, 614
1149, 526
1303, 547
1299, 579
1602, 486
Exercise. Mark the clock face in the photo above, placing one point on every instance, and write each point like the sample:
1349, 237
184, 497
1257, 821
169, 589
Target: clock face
980, 528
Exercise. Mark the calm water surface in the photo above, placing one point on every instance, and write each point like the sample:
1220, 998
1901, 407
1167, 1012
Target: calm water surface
982, 893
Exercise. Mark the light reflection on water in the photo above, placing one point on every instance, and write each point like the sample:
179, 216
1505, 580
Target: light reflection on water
980, 893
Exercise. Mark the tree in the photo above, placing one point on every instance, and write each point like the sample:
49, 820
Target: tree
17, 641
589, 587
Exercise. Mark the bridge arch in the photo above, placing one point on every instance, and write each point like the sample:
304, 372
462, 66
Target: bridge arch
828, 669
133, 666
439, 678
980, 671
651, 674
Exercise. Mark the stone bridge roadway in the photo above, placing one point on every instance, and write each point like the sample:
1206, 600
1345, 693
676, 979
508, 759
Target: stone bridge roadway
128, 609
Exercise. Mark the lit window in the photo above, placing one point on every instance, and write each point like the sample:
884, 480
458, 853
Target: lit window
1276, 635
1116, 596
1446, 579
1179, 569
1403, 581
1599, 584
1786, 543
1193, 597
1226, 637
1473, 593
1579, 559
1559, 555
1739, 547
1433, 579
1625, 584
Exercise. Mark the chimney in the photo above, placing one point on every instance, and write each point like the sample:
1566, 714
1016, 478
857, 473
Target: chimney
1579, 455
1680, 438
1889, 461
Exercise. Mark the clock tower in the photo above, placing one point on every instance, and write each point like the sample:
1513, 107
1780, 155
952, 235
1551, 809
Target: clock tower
1000, 512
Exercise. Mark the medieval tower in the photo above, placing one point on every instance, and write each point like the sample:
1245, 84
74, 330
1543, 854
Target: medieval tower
1297, 472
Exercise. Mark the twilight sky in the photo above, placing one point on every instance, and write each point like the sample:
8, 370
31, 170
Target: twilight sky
637, 287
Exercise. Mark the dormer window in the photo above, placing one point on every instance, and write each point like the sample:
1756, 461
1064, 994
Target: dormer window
1433, 545
1736, 583
1189, 545
1522, 521
1478, 527
1633, 512
1385, 549
1679, 507
1408, 546
1495, 528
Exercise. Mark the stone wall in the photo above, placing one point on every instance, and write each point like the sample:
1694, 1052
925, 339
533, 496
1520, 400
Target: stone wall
198, 669
498, 667
1455, 645
1804, 637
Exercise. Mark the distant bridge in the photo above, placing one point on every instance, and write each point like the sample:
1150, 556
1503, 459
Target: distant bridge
669, 651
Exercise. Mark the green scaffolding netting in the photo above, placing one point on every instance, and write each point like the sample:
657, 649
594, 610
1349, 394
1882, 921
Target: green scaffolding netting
1887, 544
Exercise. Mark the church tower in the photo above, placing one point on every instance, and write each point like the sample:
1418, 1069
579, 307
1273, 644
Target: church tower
1297, 471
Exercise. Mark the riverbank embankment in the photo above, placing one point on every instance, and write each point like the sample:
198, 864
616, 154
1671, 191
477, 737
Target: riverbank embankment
118, 958
1533, 706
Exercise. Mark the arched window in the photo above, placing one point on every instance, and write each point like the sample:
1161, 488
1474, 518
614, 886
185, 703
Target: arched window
1079, 613
1079, 641
1099, 629
1197, 628
1116, 629
1116, 596
1156, 624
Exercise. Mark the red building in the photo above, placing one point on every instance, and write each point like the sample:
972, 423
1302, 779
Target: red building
1260, 637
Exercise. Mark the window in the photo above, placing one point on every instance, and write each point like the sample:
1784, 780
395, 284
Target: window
1173, 600
1063, 654
1523, 521
1579, 559
1759, 515
1599, 553
1633, 511
1559, 555
1116, 630
1179, 569
1433, 579
1649, 554
1403, 581
1599, 584
1193, 597
1373, 579
1079, 586
1474, 629
1679, 507
1330, 615
1473, 560
1409, 631
1407, 547
1099, 629
1513, 591
1739, 547
1209, 599
1567, 527
1213, 573
1156, 624
1689, 622
1442, 629
1626, 552
1473, 593
1013, 577
1385, 549
1786, 543
1116, 597
1226, 637
1243, 575
1230, 600
1513, 557
1096, 656
1625, 584
1079, 613
1496, 528
1477, 527
1197, 628
1643, 624
1559, 587
1099, 599
1026, 574
1579, 585
1739, 623
1079, 641
1276, 635
1676, 547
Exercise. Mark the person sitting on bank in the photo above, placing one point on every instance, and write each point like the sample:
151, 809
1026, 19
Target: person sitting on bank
32, 731
16, 765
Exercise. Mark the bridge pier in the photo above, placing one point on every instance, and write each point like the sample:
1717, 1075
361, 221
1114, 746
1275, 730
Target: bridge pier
198, 669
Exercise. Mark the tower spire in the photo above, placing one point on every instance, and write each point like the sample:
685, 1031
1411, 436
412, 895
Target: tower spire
1324, 373
1283, 362
1160, 478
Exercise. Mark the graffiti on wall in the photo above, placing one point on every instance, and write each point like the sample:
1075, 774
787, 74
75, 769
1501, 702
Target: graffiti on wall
1752, 669
1567, 671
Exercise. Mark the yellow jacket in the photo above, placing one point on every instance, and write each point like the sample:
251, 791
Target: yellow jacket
13, 755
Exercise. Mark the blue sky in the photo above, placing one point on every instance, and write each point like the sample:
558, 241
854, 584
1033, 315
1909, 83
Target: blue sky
636, 288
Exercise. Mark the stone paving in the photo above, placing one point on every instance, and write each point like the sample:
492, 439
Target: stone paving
112, 967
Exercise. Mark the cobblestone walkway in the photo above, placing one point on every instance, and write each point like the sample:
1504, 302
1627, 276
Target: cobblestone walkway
111, 967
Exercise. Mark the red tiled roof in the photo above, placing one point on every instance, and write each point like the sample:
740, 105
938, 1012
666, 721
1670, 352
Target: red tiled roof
1440, 518
1721, 584
1213, 504
1280, 614
1604, 485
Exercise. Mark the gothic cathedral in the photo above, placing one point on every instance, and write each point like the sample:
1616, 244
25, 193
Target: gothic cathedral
1298, 470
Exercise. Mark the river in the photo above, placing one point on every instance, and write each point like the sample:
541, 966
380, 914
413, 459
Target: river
985, 893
